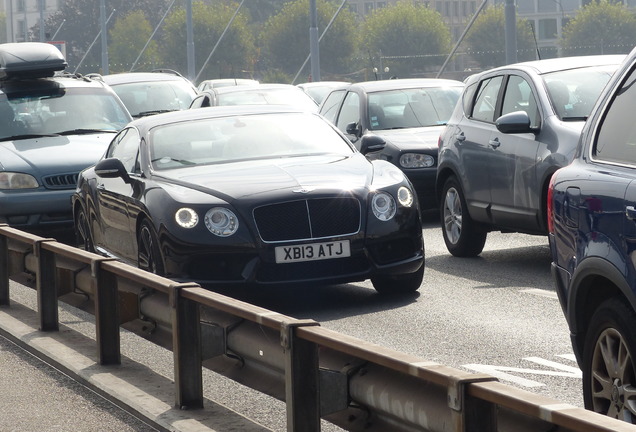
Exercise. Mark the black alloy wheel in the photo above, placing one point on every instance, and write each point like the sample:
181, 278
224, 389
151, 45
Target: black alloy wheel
148, 251
83, 235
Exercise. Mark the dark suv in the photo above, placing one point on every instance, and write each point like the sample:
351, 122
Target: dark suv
512, 129
592, 235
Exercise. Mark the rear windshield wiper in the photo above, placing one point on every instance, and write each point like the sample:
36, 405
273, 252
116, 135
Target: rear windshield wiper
28, 136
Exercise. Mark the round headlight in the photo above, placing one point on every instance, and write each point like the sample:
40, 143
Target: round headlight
186, 217
405, 196
383, 206
416, 160
10, 180
221, 221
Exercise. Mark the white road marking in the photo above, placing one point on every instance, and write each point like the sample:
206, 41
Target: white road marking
505, 373
541, 293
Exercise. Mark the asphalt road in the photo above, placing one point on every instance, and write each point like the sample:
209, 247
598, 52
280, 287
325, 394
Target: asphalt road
497, 313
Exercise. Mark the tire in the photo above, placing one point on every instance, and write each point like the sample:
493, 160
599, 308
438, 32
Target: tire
401, 284
148, 251
83, 234
462, 236
609, 370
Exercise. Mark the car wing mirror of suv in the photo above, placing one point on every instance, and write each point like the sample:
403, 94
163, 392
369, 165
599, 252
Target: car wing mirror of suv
353, 129
515, 122
111, 168
371, 143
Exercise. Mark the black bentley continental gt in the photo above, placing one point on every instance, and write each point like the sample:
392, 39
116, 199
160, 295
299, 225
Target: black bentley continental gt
251, 195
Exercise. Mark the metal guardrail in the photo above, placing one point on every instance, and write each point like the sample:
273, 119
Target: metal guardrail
319, 373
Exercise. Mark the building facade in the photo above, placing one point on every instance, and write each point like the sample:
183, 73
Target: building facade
23, 15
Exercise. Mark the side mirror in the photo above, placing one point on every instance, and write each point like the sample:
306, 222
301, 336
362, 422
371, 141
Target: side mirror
353, 129
112, 168
515, 122
371, 143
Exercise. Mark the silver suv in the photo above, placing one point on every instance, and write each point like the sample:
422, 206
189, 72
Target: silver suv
513, 127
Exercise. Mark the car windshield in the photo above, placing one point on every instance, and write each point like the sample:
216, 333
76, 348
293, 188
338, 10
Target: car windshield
573, 92
229, 139
283, 96
152, 97
69, 111
409, 108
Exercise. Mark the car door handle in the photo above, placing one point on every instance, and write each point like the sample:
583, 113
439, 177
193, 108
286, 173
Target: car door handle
494, 143
630, 212
460, 137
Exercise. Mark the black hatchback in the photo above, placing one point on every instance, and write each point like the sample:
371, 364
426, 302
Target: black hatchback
592, 234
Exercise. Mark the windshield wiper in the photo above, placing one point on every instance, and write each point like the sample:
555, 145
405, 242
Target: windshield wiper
149, 113
28, 136
85, 131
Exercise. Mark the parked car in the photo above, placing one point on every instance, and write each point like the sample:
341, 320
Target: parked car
515, 126
408, 114
262, 94
235, 195
592, 235
53, 125
149, 93
318, 90
225, 82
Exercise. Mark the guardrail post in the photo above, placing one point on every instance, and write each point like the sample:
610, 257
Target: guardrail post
302, 378
4, 269
471, 414
186, 348
106, 313
46, 286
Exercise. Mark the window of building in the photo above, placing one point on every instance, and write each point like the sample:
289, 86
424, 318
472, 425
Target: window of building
547, 6
353, 8
21, 6
547, 29
526, 6
569, 5
368, 7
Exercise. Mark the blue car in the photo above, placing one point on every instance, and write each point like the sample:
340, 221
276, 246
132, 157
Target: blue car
592, 234
53, 125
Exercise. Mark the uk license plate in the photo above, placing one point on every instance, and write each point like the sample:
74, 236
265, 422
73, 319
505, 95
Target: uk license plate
312, 252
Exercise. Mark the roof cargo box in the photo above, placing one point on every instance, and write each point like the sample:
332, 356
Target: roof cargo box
30, 60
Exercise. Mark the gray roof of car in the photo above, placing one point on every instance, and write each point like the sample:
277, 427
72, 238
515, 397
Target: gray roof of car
564, 63
130, 77
402, 83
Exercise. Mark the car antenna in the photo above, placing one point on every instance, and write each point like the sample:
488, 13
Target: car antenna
536, 45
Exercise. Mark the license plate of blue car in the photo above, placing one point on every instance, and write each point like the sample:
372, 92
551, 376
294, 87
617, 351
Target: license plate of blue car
312, 252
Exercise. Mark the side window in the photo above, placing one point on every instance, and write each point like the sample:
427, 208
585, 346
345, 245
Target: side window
519, 97
616, 135
486, 101
331, 105
125, 147
350, 112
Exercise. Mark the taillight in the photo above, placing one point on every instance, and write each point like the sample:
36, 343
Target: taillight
550, 206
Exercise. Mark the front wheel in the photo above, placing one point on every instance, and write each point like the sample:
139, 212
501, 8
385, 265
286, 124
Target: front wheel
399, 284
461, 234
609, 370
83, 235
148, 251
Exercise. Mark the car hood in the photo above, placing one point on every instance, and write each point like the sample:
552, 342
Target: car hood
272, 176
412, 138
48, 155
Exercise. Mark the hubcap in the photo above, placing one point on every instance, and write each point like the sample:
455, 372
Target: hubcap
452, 215
613, 377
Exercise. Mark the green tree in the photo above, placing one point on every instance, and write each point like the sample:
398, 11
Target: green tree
409, 37
285, 39
601, 27
235, 53
78, 22
487, 42
127, 38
